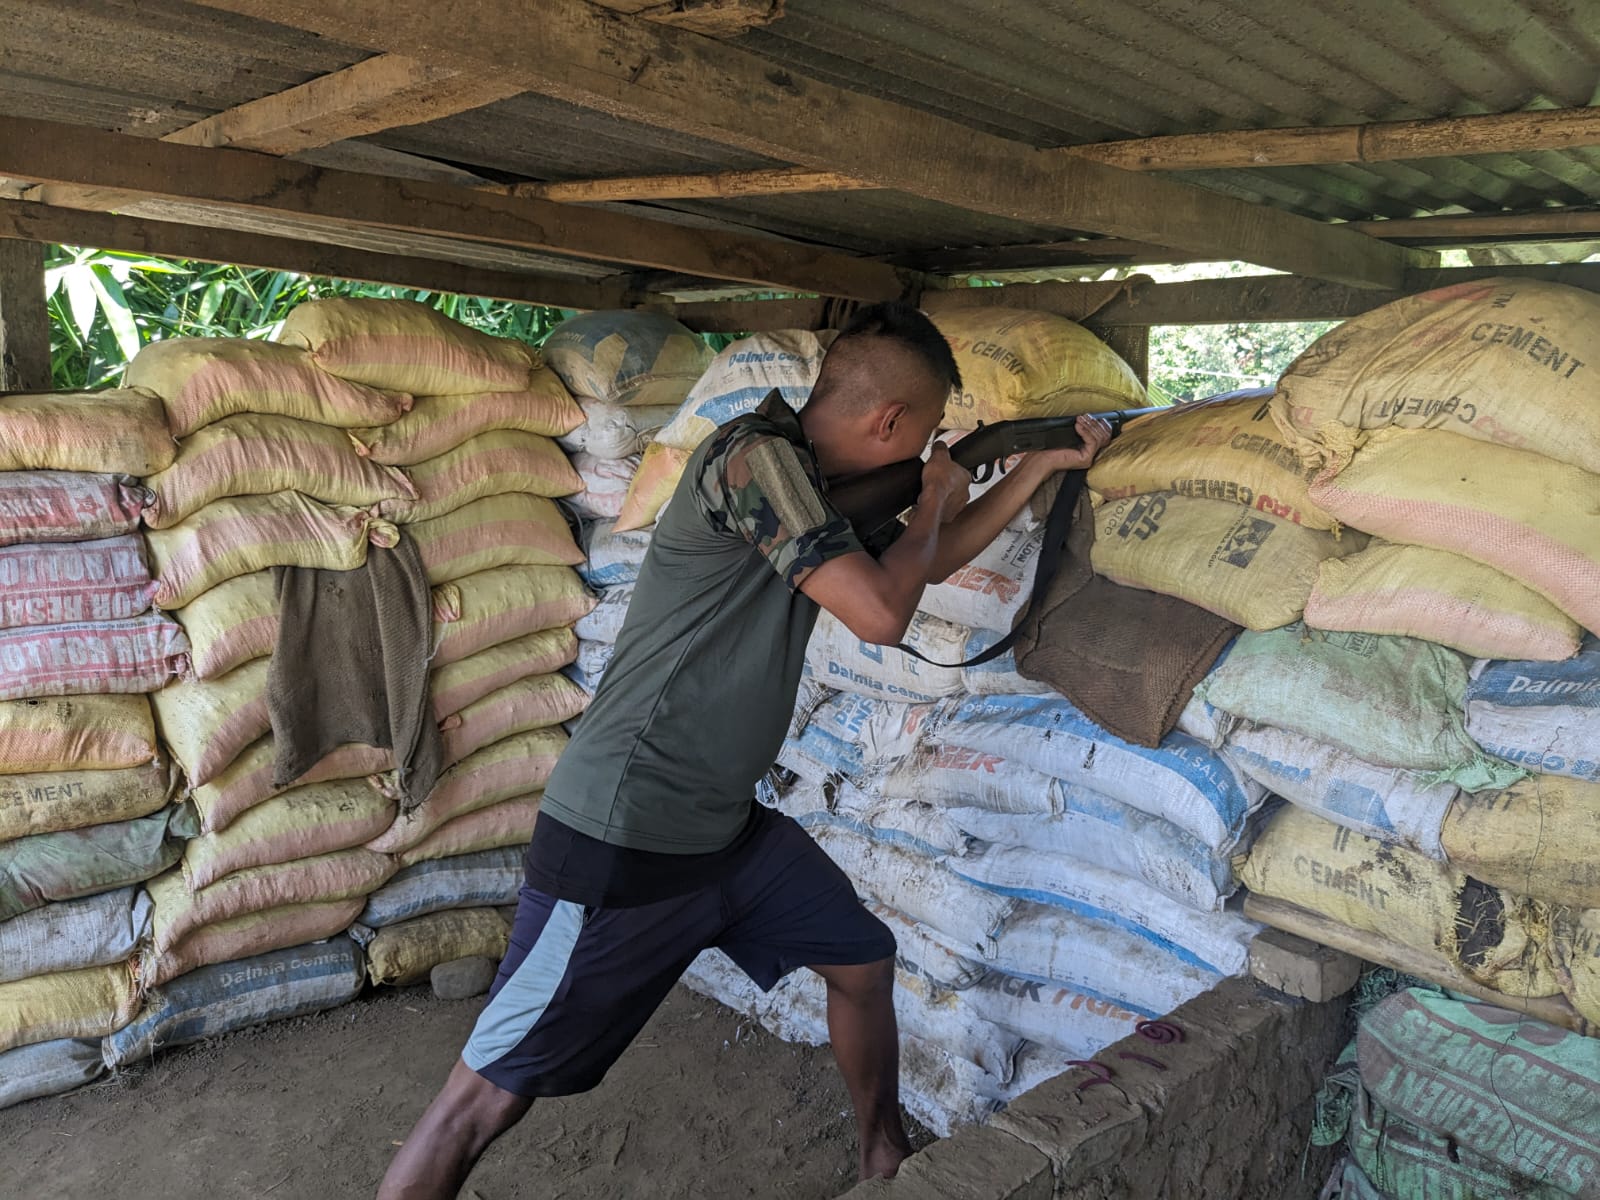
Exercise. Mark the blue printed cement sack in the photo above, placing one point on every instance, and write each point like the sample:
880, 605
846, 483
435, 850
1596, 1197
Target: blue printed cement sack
1390, 701
998, 676
1544, 716
839, 659
1181, 781
486, 878
234, 995
855, 735
627, 357
48, 1068
611, 557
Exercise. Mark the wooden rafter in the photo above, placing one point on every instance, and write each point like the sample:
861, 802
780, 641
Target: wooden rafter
31, 222
49, 152
382, 92
714, 18
670, 79
773, 182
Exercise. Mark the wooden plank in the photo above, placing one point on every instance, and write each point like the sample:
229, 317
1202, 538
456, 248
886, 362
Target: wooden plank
20, 219
1424, 965
714, 18
670, 79
1379, 141
49, 152
1486, 227
382, 92
1036, 255
24, 319
778, 181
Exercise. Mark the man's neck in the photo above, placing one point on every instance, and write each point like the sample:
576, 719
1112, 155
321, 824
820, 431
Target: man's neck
829, 440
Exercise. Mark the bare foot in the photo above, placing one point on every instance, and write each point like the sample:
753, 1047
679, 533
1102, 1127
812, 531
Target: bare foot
882, 1158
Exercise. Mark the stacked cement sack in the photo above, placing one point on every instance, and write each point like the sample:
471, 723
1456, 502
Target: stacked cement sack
85, 793
1440, 1096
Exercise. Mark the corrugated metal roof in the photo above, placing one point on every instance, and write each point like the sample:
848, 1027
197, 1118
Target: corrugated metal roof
1047, 72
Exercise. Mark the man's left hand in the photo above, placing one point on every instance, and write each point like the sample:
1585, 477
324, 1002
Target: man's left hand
1095, 433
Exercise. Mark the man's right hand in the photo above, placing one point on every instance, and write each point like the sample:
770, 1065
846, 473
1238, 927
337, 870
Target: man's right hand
944, 484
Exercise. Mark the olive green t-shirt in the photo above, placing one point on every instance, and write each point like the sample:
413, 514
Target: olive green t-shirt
695, 703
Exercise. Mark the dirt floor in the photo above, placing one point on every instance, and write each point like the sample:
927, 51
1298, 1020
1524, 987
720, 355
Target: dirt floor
704, 1104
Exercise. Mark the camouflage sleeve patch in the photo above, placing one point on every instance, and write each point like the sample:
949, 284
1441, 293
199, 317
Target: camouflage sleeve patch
759, 487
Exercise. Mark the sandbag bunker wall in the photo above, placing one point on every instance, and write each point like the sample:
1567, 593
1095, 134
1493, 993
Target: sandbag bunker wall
135, 922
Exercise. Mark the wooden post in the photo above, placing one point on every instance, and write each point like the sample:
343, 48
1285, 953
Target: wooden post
24, 320
1132, 342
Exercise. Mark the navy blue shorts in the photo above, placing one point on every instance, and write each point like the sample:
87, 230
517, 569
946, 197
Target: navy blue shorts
577, 984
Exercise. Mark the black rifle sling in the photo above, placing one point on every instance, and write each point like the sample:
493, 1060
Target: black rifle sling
1056, 528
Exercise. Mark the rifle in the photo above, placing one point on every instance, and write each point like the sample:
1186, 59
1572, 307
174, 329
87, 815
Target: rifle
871, 500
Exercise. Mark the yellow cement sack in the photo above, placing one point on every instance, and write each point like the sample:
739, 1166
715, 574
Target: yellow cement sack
457, 685
317, 818
491, 464
1223, 449
407, 951
1577, 950
256, 455
501, 771
1515, 362
83, 733
503, 603
660, 468
405, 346
231, 624
53, 801
201, 380
1250, 567
1527, 516
509, 823
178, 912
248, 781
207, 724
437, 424
1439, 597
121, 432
536, 703
1015, 363
626, 357
1499, 939
1536, 837
240, 534
254, 933
498, 531
90, 1003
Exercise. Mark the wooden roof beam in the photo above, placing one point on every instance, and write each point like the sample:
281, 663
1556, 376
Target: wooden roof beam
29, 221
382, 92
714, 18
1378, 141
778, 181
669, 79
53, 153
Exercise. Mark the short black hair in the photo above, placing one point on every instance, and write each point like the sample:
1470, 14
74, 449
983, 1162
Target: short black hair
904, 323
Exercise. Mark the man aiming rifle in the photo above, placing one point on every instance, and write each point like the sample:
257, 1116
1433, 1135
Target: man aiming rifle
649, 846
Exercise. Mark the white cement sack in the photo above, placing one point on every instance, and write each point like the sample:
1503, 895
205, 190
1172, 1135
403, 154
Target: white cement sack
234, 995
1118, 837
742, 376
610, 557
922, 953
1099, 959
838, 658
1212, 941
94, 931
1206, 723
923, 888
958, 777
919, 828
48, 1069
605, 486
592, 661
853, 735
991, 591
998, 676
1181, 781
1543, 716
604, 621
615, 431
488, 878
1057, 1018
1385, 803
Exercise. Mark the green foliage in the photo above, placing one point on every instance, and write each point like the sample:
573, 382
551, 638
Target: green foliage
105, 304
1192, 361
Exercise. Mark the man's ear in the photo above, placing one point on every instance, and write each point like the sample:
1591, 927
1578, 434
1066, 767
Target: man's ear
888, 420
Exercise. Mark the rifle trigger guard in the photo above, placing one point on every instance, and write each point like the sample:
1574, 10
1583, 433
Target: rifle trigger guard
983, 472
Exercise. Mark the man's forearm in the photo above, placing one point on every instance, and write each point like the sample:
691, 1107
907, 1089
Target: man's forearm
959, 542
908, 563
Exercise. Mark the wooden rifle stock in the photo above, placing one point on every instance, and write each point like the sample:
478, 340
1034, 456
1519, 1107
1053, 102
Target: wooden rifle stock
870, 500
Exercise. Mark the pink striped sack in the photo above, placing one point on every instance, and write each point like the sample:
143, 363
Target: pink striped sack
509, 823
246, 936
238, 535
256, 455
491, 464
247, 782
1527, 516
201, 380
67, 506
535, 703
79, 733
206, 724
407, 347
124, 432
60, 583
498, 531
503, 603
91, 657
437, 424
456, 685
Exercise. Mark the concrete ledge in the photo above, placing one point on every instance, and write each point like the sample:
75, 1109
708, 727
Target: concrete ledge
1223, 1113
